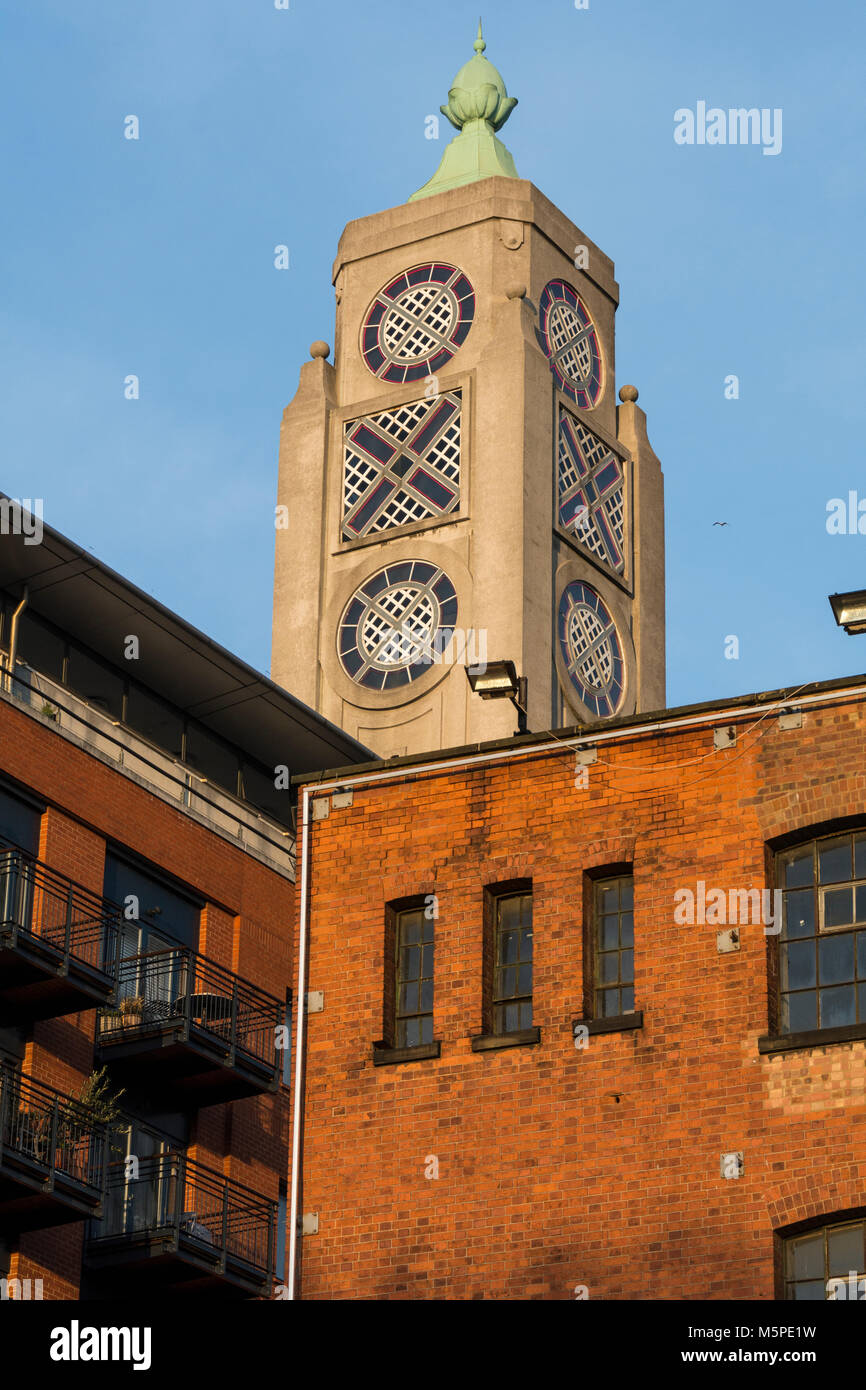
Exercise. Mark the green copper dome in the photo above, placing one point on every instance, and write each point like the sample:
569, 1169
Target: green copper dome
478, 106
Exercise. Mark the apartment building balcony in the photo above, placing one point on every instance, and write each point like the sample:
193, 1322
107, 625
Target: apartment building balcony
183, 1228
53, 1156
58, 942
189, 1030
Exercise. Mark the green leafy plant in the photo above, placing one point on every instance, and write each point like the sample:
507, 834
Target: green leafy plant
101, 1103
97, 1098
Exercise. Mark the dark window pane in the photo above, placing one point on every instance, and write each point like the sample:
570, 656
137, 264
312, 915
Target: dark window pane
799, 1012
608, 898
40, 647
609, 964
156, 720
509, 912
845, 1249
525, 1016
160, 907
834, 860
807, 1257
861, 955
628, 1000
509, 946
413, 1032
860, 856
626, 894
609, 933
610, 1006
427, 997
798, 965
212, 758
814, 1292
798, 867
626, 967
427, 929
260, 791
524, 979
626, 929
407, 999
427, 960
861, 996
838, 907
836, 959
96, 683
410, 928
838, 1006
19, 823
411, 963
427, 1029
512, 1018
799, 913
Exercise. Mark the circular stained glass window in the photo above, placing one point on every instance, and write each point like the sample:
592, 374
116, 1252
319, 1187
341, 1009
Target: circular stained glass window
417, 322
591, 649
397, 624
569, 338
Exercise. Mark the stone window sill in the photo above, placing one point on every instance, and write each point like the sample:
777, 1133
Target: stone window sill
617, 1023
815, 1037
388, 1056
493, 1042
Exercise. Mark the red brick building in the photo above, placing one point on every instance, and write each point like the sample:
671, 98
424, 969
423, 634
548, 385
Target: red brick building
146, 901
531, 1077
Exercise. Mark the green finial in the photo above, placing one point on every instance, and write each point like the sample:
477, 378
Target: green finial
478, 106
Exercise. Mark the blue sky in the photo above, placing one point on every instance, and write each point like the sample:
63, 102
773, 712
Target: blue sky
261, 126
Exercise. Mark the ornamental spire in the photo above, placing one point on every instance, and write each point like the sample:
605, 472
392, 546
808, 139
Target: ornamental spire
478, 106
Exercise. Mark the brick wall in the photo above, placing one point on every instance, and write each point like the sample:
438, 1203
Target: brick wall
561, 1167
246, 927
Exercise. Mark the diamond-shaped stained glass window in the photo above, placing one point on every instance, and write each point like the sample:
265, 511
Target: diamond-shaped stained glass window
401, 466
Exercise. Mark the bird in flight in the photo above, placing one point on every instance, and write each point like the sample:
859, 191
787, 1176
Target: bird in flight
720, 523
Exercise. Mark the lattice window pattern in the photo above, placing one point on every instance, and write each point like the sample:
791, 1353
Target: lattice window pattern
591, 492
402, 466
417, 322
591, 649
568, 336
397, 624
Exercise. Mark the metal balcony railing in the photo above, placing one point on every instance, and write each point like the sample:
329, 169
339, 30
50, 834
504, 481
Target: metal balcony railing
42, 1129
37, 902
201, 1212
176, 985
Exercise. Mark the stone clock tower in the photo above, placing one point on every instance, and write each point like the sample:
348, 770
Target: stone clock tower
462, 483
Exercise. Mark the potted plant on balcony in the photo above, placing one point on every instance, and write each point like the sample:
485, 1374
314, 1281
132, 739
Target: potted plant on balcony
110, 1020
100, 1105
131, 1009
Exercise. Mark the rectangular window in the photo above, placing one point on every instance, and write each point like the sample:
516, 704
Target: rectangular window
613, 946
823, 940
212, 758
19, 823
163, 914
40, 646
826, 1264
413, 978
159, 722
95, 682
512, 963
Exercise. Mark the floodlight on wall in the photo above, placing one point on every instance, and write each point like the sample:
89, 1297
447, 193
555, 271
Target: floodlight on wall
849, 610
499, 680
